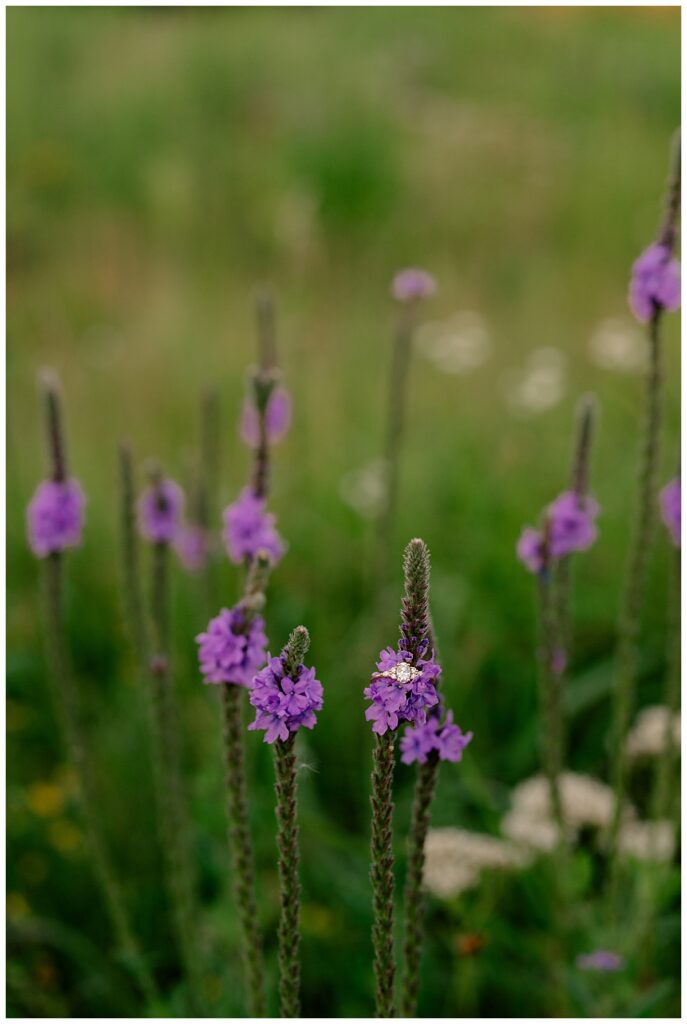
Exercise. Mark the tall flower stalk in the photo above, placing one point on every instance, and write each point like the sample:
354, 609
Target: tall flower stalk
409, 287
664, 804
234, 646
55, 522
567, 526
403, 689
231, 651
654, 288
428, 744
160, 510
286, 696
382, 873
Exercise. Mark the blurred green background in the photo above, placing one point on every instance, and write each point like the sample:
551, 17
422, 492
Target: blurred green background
161, 164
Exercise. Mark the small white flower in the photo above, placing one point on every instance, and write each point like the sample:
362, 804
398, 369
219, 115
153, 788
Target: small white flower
651, 730
647, 840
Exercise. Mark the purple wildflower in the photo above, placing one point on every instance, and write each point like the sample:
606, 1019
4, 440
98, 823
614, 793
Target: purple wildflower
411, 284
284, 702
655, 282
191, 545
671, 509
401, 691
55, 516
160, 508
233, 648
249, 529
277, 418
530, 549
600, 960
447, 739
571, 525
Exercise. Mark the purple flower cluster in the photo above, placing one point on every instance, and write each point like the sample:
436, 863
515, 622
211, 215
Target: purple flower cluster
671, 509
248, 529
655, 282
411, 284
233, 648
600, 960
160, 510
55, 517
400, 691
284, 702
446, 738
571, 527
277, 418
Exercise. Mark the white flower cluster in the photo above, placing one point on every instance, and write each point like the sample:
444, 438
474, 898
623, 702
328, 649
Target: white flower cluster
455, 858
586, 802
653, 726
647, 840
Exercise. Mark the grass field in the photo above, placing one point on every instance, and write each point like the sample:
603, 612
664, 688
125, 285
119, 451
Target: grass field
162, 163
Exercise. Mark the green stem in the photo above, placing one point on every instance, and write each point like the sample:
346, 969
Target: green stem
67, 705
395, 426
287, 842
240, 845
627, 665
425, 786
550, 699
664, 797
166, 765
133, 593
382, 873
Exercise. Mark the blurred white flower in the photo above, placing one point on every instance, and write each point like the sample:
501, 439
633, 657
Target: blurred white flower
455, 857
647, 840
539, 385
364, 489
586, 802
618, 344
647, 738
459, 344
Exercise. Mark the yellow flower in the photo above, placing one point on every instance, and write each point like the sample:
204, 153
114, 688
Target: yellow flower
45, 799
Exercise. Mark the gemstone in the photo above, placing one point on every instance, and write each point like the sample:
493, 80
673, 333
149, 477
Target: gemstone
402, 673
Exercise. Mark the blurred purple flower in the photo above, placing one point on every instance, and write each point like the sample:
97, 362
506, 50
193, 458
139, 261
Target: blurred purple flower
277, 418
411, 284
400, 691
447, 739
191, 545
530, 549
571, 525
233, 648
671, 509
600, 960
55, 516
160, 509
655, 282
249, 529
284, 702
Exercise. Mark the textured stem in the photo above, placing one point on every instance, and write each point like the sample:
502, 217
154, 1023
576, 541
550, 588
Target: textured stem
133, 591
289, 885
209, 458
396, 416
425, 786
664, 799
550, 698
67, 705
242, 853
382, 873
166, 765
53, 426
627, 665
